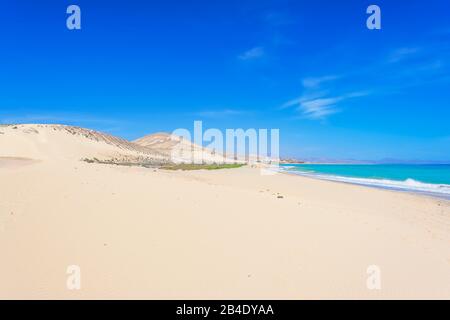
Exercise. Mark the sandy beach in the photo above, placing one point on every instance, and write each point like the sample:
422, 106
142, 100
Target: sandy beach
140, 233
143, 233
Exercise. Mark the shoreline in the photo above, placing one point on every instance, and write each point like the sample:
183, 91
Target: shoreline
414, 193
376, 183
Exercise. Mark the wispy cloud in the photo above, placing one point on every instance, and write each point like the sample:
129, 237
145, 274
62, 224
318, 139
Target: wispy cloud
401, 69
413, 66
321, 107
314, 82
402, 53
305, 97
316, 103
254, 53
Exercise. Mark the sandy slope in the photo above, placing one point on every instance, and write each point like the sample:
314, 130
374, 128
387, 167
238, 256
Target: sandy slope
145, 233
36, 141
57, 142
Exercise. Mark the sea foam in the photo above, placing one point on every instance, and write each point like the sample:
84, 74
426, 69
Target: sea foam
410, 185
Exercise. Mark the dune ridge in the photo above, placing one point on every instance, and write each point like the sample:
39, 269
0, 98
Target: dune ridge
52, 141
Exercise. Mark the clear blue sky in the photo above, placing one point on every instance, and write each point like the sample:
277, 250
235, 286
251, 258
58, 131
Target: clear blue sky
310, 68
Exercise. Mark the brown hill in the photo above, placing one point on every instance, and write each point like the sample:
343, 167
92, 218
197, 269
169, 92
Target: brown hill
180, 150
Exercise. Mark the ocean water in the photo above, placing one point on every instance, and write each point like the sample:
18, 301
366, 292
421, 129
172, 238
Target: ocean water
431, 179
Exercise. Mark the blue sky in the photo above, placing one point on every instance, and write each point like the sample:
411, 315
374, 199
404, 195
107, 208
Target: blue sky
310, 68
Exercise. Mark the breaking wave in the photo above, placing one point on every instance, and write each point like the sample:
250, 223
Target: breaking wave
410, 185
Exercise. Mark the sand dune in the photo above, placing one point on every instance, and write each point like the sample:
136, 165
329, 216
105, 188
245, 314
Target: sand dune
152, 234
37, 141
68, 143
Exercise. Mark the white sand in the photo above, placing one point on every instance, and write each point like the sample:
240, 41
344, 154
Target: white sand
141, 233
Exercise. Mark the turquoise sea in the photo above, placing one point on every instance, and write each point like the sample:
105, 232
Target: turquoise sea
432, 179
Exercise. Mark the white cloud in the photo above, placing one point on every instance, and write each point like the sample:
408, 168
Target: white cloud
303, 98
316, 103
253, 53
401, 54
320, 107
315, 82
